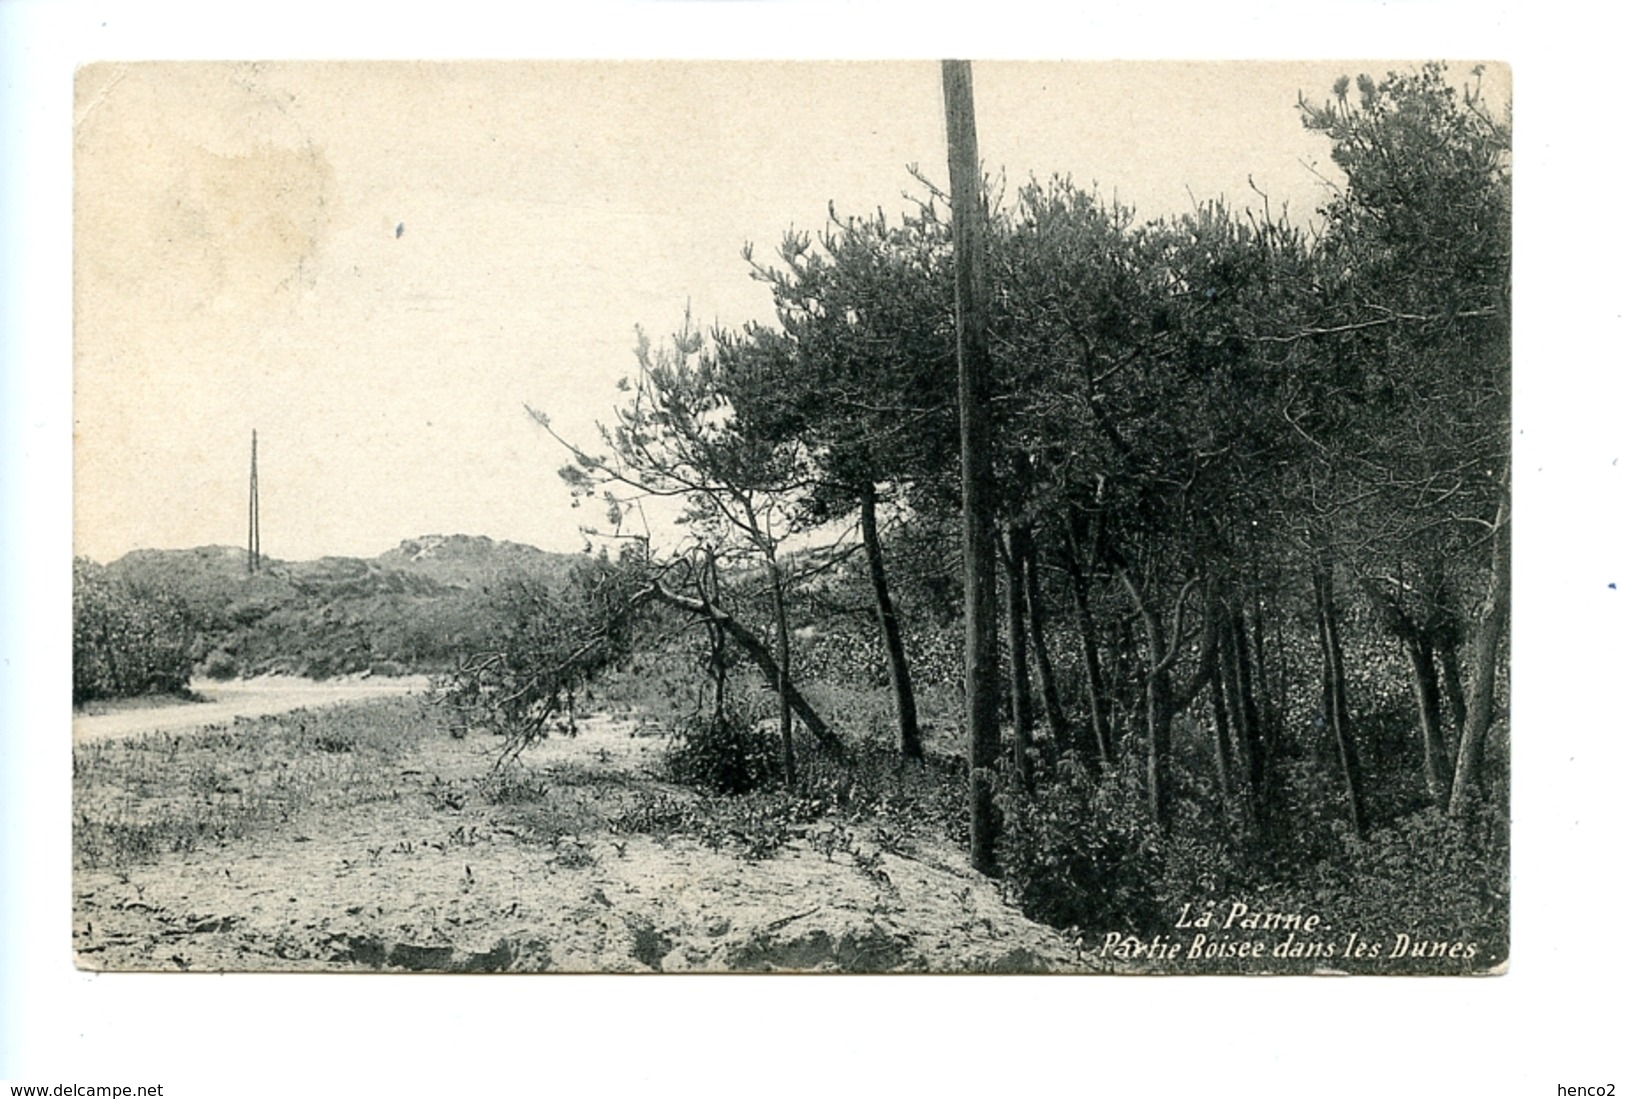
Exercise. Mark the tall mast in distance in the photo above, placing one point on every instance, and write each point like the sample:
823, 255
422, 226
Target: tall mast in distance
254, 502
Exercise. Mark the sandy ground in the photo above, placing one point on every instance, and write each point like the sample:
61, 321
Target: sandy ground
226, 699
434, 880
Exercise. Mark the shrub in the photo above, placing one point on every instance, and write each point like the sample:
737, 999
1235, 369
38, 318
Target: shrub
876, 783
722, 753
219, 664
1428, 876
128, 638
1079, 854
322, 665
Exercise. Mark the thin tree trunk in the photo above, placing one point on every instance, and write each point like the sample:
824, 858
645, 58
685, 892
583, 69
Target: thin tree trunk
719, 641
1441, 629
1094, 684
1159, 722
1263, 702
1236, 682
976, 463
1246, 688
1060, 729
1492, 623
891, 634
1282, 682
760, 655
1335, 695
1221, 739
1269, 711
719, 671
1158, 699
781, 626
1021, 687
1414, 639
1450, 669
1425, 688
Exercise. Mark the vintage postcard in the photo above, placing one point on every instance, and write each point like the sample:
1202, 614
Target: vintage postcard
856, 517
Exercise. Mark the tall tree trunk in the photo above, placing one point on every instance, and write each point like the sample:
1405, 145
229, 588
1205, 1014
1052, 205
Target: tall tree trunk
1221, 739
719, 671
1248, 621
1279, 702
1157, 720
1335, 694
781, 627
1425, 687
1161, 699
891, 634
1099, 743
1159, 723
1450, 673
1415, 640
1060, 729
1441, 628
1492, 623
719, 640
1021, 686
976, 463
1236, 679
1245, 684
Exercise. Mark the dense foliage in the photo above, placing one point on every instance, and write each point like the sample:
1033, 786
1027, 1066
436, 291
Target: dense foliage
1253, 502
128, 638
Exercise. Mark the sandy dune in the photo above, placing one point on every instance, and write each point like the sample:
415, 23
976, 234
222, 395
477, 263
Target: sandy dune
441, 879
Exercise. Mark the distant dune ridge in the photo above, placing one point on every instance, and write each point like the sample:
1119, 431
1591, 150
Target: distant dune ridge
446, 560
412, 608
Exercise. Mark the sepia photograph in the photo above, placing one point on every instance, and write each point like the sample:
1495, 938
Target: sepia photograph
695, 547
792, 517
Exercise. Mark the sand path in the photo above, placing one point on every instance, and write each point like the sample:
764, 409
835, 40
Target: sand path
226, 700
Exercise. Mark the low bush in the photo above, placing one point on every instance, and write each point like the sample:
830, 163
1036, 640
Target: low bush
756, 824
1082, 854
743, 804
128, 638
219, 664
1429, 876
874, 782
722, 753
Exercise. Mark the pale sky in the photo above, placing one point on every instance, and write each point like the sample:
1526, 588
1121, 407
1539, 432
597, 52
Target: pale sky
377, 265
